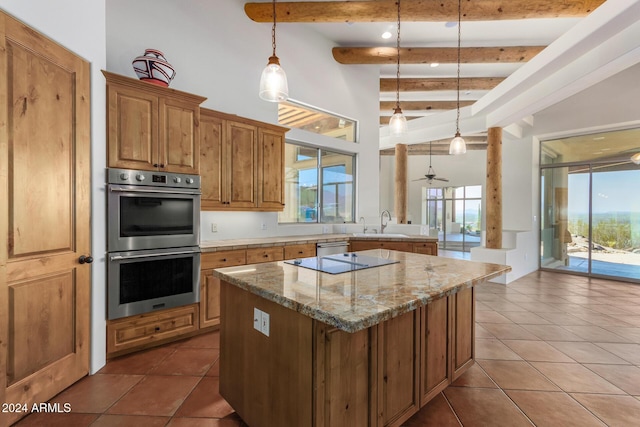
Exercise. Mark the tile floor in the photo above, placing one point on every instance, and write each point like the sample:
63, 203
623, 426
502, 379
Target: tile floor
551, 350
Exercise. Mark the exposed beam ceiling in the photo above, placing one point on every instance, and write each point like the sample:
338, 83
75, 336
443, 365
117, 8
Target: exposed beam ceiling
418, 10
427, 55
433, 84
440, 147
423, 105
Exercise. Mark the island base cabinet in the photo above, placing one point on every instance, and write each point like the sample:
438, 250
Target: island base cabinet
266, 379
307, 373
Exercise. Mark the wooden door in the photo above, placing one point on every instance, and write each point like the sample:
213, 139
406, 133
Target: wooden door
45, 217
179, 136
241, 156
211, 164
271, 169
132, 121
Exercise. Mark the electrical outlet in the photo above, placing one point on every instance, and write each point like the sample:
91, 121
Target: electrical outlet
263, 226
214, 227
257, 319
265, 324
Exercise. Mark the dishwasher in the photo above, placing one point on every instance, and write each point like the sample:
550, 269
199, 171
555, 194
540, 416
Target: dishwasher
331, 248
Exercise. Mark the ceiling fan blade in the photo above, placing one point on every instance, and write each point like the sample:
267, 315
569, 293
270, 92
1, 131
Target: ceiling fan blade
419, 179
441, 179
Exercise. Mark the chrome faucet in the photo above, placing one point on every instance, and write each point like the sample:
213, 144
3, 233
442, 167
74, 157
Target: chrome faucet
383, 225
364, 224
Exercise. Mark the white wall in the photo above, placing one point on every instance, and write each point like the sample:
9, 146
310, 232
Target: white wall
80, 27
219, 53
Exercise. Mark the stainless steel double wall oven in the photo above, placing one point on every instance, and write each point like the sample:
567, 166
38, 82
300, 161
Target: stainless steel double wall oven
153, 241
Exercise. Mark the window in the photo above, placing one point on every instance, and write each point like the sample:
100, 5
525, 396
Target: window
295, 114
308, 170
456, 213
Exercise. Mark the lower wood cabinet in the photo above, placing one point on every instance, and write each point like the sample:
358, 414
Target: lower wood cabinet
300, 251
150, 329
426, 248
210, 285
376, 377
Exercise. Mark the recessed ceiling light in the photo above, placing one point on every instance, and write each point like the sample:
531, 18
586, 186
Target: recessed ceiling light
434, 64
386, 35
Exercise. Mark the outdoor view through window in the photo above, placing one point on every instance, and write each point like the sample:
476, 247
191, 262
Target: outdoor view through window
590, 219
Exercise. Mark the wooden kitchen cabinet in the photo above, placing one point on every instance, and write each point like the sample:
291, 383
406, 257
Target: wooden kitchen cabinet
150, 127
363, 245
210, 285
241, 162
426, 248
300, 251
150, 329
435, 346
259, 255
463, 338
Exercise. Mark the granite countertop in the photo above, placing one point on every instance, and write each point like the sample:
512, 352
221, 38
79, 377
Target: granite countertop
357, 300
231, 244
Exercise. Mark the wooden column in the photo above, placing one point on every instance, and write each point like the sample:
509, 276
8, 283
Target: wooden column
494, 189
400, 200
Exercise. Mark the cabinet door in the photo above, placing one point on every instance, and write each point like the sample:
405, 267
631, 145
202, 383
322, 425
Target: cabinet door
45, 182
179, 136
300, 251
132, 135
211, 142
427, 248
398, 369
241, 156
209, 299
360, 245
270, 170
435, 373
463, 331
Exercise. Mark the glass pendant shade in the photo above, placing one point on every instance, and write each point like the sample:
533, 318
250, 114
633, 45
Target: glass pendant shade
457, 146
636, 158
398, 123
273, 82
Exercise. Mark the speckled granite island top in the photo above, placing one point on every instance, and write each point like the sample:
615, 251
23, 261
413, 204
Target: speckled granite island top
357, 300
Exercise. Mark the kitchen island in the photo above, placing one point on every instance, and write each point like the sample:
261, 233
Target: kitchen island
364, 348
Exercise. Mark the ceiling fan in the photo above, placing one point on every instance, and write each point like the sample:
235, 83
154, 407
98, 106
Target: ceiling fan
431, 174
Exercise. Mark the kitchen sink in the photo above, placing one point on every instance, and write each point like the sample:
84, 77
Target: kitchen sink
377, 236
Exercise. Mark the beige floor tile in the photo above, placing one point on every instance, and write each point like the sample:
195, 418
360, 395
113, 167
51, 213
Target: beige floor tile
494, 349
435, 413
575, 378
595, 333
491, 317
586, 352
553, 409
484, 407
474, 377
516, 375
537, 351
626, 377
508, 331
628, 352
525, 318
551, 333
613, 410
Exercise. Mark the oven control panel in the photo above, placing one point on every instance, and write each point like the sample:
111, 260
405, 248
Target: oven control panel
154, 179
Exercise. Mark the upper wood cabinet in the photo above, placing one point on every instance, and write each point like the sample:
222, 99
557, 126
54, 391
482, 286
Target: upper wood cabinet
152, 127
241, 163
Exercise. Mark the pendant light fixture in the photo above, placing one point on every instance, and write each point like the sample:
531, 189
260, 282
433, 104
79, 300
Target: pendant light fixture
398, 123
458, 145
273, 82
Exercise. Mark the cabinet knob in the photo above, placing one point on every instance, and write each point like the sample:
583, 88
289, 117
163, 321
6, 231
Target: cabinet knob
155, 165
224, 260
161, 165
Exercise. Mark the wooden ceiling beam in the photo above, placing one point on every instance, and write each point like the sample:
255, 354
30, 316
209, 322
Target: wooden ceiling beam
423, 105
432, 84
418, 10
440, 147
428, 55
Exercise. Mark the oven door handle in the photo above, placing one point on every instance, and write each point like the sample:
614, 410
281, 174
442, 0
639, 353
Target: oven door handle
114, 189
121, 257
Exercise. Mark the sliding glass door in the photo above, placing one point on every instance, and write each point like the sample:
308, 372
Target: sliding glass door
590, 207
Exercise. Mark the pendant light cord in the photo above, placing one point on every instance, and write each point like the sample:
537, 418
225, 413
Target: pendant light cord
398, 61
273, 29
458, 80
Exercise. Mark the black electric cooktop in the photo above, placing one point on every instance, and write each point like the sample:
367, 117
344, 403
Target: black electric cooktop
340, 263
